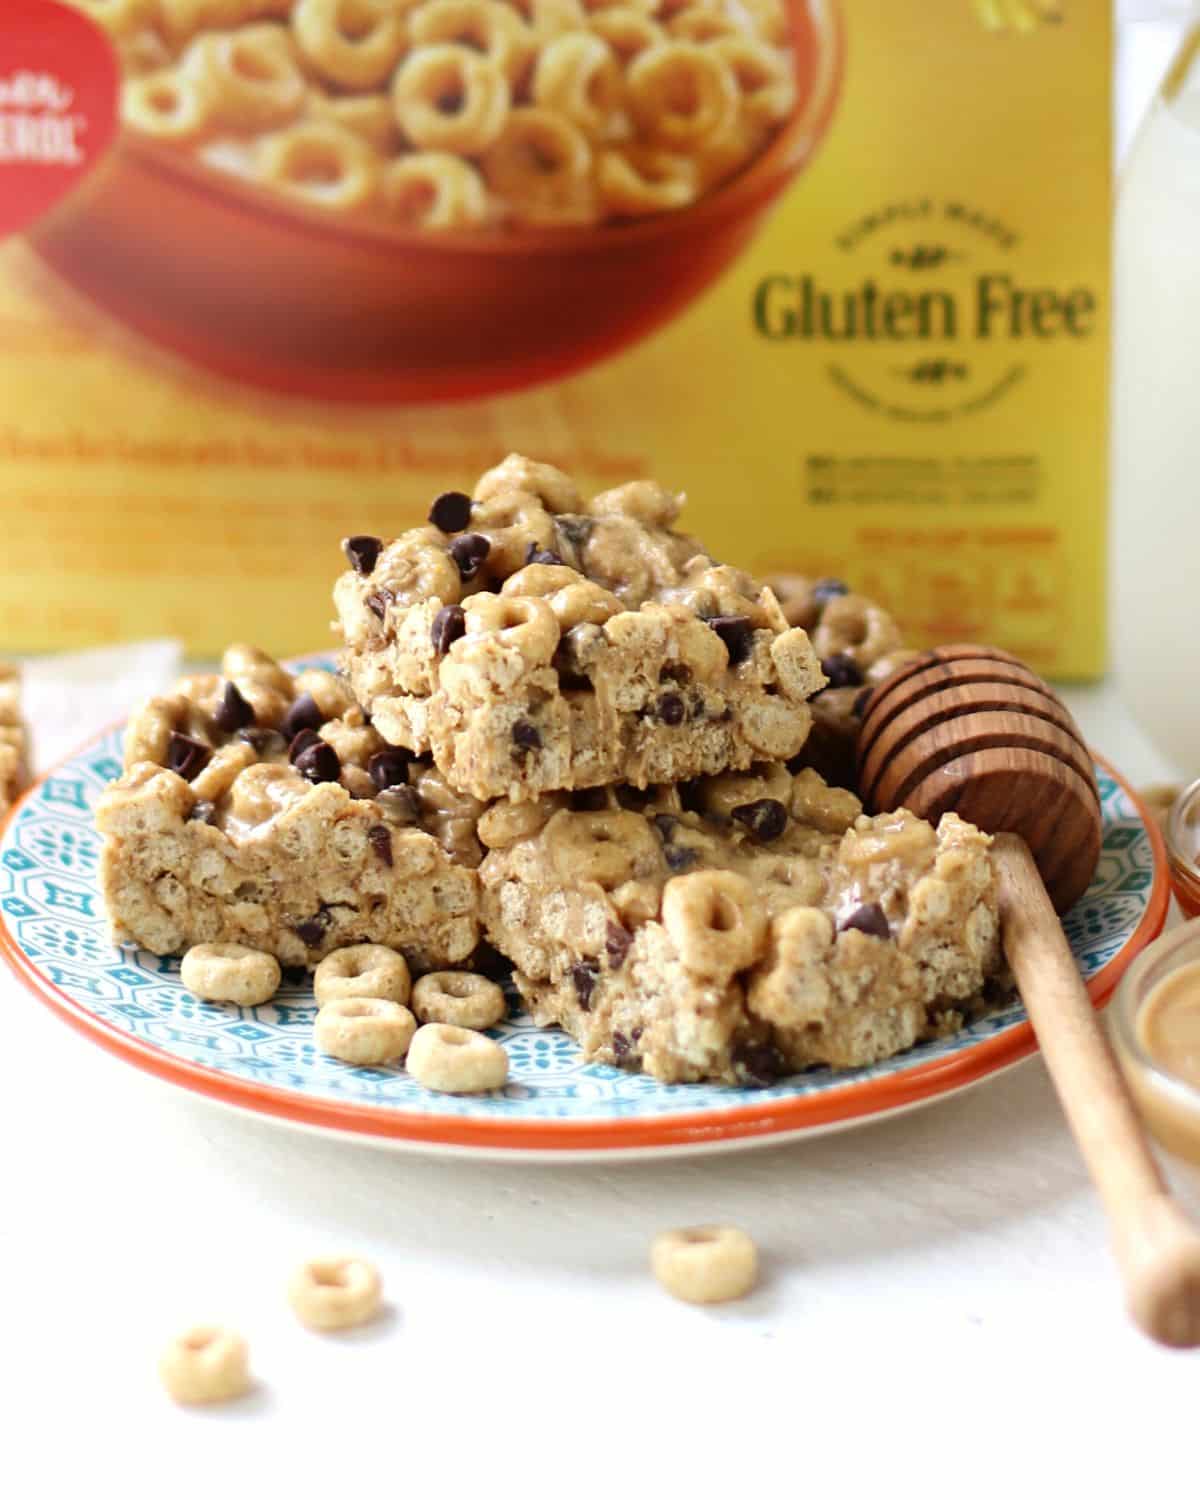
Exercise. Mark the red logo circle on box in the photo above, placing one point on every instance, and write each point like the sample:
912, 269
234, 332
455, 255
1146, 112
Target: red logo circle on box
59, 91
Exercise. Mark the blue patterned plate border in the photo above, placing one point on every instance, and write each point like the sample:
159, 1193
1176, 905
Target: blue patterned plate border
53, 934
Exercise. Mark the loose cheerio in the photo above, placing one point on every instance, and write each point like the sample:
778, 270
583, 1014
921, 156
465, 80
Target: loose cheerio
274, 272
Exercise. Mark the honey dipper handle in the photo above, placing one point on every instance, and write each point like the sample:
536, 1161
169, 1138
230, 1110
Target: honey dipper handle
1157, 1247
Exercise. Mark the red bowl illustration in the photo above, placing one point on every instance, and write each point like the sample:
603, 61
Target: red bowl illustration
278, 295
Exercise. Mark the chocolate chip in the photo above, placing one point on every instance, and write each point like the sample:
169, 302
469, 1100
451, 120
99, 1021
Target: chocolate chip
399, 804
620, 1044
319, 763
303, 741
616, 944
264, 741
378, 602
765, 819
186, 756
381, 841
469, 553
679, 857
233, 712
870, 919
448, 624
666, 823
671, 709
737, 634
636, 1034
576, 529
536, 554
202, 812
312, 929
758, 1064
525, 735
451, 511
583, 977
826, 589
842, 671
303, 714
389, 767
859, 707
362, 553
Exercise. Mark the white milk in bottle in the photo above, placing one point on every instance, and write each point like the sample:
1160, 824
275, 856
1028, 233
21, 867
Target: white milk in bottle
1155, 558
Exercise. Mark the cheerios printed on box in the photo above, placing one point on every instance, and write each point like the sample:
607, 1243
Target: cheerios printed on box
278, 269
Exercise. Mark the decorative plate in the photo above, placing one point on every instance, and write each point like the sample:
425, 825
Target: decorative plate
53, 933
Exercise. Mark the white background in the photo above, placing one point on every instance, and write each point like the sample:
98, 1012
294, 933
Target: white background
938, 1311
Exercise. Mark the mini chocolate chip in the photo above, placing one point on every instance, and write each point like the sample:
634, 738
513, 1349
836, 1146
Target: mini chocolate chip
583, 977
737, 634
186, 756
448, 624
399, 804
859, 706
636, 1034
233, 712
679, 857
389, 767
303, 714
451, 511
616, 944
312, 929
870, 919
666, 823
362, 552
826, 589
469, 553
671, 709
758, 1064
525, 735
765, 819
620, 1044
576, 529
301, 742
319, 763
264, 741
202, 812
842, 671
378, 602
536, 554
381, 841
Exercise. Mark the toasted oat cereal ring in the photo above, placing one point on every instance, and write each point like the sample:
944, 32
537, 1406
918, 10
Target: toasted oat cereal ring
250, 75
764, 76
710, 1263
206, 1364
540, 164
554, 490
485, 26
626, 30
682, 93
853, 626
453, 1060
518, 623
366, 1031
715, 922
322, 163
434, 190
365, 970
641, 180
454, 997
448, 98
166, 104
335, 1291
578, 76
354, 43
230, 972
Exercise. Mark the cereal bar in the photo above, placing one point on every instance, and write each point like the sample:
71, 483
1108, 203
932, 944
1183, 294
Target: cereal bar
14, 739
532, 641
259, 807
859, 644
739, 929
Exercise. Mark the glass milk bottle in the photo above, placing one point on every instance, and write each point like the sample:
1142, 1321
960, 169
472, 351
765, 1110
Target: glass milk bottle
1155, 556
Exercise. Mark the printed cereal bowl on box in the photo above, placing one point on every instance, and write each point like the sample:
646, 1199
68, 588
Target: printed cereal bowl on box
473, 196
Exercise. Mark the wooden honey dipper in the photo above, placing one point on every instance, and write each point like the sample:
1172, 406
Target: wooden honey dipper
972, 730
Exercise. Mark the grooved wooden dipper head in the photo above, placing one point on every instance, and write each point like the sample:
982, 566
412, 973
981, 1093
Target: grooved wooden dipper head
971, 730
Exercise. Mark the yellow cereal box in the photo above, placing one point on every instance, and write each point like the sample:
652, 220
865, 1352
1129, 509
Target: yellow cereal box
273, 271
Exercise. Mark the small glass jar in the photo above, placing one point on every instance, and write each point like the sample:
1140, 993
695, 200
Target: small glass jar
1169, 1104
1182, 834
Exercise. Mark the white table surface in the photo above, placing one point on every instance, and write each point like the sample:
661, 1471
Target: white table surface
938, 1309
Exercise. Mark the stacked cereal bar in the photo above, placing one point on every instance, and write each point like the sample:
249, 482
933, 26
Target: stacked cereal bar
564, 728
14, 739
261, 808
532, 641
741, 927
